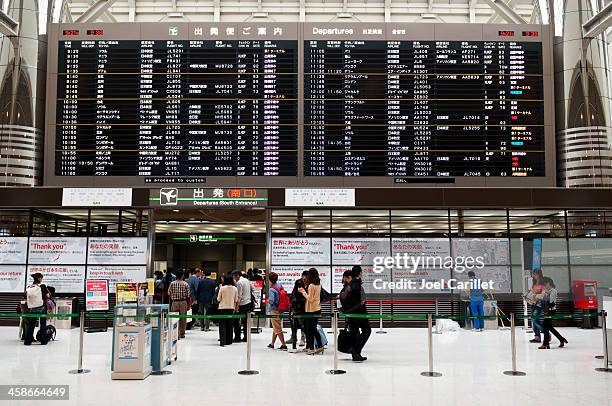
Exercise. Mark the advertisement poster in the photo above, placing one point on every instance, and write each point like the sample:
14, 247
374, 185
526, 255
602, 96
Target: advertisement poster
116, 250
287, 275
257, 288
435, 247
300, 251
12, 278
13, 250
127, 292
96, 295
500, 275
368, 279
428, 275
128, 345
359, 251
57, 250
495, 251
117, 274
64, 278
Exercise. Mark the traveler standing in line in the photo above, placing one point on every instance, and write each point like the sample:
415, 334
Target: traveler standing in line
192, 281
276, 296
347, 278
356, 304
550, 309
168, 279
476, 302
206, 296
228, 303
312, 294
181, 297
298, 307
36, 296
244, 304
534, 298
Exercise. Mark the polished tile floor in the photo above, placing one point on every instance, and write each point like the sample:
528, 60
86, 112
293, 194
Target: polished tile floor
471, 364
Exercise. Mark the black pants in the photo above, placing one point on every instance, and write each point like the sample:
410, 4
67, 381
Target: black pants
225, 327
360, 330
31, 325
240, 324
194, 311
548, 328
312, 334
296, 324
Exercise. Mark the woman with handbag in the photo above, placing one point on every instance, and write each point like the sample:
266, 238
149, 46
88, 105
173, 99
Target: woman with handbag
550, 309
312, 294
534, 298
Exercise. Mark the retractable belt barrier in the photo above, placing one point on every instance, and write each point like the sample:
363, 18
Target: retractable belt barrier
334, 317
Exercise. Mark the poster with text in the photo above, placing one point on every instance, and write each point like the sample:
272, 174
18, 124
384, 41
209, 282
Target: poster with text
116, 250
257, 290
12, 278
96, 295
117, 274
13, 250
359, 251
287, 275
420, 281
300, 251
64, 278
429, 247
57, 250
500, 275
372, 282
494, 251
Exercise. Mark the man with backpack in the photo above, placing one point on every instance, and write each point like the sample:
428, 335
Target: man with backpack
36, 297
278, 302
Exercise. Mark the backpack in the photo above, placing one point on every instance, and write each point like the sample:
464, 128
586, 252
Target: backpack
34, 296
49, 334
283, 299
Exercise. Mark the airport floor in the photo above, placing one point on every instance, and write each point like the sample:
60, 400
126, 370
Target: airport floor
471, 364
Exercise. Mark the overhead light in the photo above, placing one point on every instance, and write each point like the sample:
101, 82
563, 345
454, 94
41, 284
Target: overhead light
175, 210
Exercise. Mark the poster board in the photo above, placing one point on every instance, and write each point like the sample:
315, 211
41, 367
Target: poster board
64, 278
96, 295
12, 278
300, 251
13, 250
118, 274
117, 251
57, 251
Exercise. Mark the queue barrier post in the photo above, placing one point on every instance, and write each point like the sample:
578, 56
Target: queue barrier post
335, 370
162, 327
606, 356
430, 372
80, 369
248, 370
380, 312
513, 372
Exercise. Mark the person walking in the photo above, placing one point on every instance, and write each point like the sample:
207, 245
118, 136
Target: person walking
228, 303
356, 304
36, 297
206, 296
550, 308
179, 294
312, 294
476, 302
535, 299
244, 305
192, 281
278, 301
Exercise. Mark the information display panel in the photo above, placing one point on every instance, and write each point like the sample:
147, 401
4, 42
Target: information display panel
175, 103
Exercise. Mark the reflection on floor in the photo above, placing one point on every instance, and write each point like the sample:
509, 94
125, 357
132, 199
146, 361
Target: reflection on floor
471, 364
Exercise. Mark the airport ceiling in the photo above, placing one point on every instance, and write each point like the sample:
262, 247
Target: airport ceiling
438, 11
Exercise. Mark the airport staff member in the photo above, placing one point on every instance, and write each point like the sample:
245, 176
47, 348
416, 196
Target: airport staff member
181, 300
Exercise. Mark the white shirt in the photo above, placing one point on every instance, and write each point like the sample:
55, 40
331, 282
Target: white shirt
244, 291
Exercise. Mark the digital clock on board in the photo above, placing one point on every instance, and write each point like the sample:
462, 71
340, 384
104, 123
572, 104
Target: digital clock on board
505, 33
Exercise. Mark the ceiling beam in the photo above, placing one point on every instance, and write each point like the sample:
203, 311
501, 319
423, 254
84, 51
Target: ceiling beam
472, 10
8, 26
506, 12
95, 11
598, 23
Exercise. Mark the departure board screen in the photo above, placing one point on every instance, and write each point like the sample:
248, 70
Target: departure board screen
176, 109
268, 104
423, 108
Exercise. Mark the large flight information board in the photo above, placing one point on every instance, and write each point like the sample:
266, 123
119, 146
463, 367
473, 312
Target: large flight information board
287, 104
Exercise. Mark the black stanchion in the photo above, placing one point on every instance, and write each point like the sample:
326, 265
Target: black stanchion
606, 356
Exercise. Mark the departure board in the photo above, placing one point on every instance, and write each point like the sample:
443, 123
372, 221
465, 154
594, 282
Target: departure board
177, 109
265, 104
422, 108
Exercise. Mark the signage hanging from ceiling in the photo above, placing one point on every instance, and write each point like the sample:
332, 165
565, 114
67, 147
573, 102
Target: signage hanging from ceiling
208, 198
